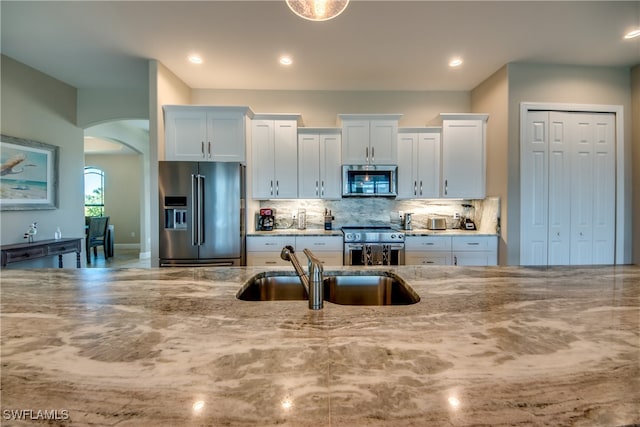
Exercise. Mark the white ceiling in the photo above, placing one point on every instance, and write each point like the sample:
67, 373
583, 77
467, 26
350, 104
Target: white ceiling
373, 45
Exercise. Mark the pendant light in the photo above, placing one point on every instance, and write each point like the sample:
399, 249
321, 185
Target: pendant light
317, 10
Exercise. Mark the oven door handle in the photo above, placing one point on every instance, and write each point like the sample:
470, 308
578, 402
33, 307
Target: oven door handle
351, 246
395, 245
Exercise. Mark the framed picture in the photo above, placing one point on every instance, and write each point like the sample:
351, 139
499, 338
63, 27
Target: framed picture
29, 174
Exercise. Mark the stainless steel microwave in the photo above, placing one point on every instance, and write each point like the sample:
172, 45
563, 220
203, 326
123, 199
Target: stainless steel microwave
369, 180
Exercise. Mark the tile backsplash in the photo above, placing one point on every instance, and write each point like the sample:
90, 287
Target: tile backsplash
386, 211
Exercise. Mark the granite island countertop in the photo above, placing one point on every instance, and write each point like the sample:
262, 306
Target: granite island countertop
484, 346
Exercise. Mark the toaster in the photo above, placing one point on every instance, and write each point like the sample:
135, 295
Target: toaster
437, 223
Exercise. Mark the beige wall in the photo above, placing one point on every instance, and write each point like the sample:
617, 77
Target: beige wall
561, 84
164, 88
635, 114
321, 108
41, 108
491, 96
97, 106
122, 193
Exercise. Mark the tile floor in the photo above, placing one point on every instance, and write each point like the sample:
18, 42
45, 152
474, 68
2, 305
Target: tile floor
123, 258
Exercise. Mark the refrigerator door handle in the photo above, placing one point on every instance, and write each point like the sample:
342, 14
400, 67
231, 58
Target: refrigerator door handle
201, 209
194, 208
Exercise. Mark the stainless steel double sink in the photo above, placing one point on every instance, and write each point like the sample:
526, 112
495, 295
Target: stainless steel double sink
346, 288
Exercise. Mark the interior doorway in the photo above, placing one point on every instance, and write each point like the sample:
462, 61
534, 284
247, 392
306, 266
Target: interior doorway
121, 150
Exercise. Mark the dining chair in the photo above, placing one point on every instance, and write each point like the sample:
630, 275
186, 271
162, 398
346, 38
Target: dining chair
97, 236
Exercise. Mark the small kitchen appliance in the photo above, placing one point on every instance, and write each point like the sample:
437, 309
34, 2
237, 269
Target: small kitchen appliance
369, 180
437, 223
266, 219
408, 221
328, 220
302, 219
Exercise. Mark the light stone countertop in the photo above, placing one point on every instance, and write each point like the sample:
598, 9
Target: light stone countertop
338, 232
296, 232
174, 347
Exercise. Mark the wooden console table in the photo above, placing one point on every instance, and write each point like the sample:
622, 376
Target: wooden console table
39, 249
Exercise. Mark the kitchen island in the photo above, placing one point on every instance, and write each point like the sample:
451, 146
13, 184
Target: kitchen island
484, 346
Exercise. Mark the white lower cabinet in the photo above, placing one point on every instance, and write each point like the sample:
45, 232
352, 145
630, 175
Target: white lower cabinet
427, 250
474, 250
451, 250
327, 248
265, 250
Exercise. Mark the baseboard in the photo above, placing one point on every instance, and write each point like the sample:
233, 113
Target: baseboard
145, 255
127, 245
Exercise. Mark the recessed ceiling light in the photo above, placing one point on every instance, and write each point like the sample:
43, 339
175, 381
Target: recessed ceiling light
286, 60
456, 62
195, 59
632, 34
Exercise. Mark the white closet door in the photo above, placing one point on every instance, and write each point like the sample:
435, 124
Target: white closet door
559, 189
534, 190
567, 187
604, 192
593, 190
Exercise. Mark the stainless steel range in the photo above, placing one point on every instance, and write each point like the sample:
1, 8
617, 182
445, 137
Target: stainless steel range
373, 245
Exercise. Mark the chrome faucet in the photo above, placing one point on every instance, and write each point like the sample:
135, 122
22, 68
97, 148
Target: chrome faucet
313, 283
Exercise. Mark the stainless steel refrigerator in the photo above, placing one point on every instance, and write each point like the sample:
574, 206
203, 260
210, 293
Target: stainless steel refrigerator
201, 214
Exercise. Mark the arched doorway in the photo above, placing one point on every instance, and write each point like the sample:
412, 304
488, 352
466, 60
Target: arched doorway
121, 150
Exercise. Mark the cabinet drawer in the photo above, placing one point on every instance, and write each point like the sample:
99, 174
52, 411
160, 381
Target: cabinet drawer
475, 243
269, 243
428, 258
266, 259
319, 243
477, 258
23, 254
427, 243
329, 258
62, 248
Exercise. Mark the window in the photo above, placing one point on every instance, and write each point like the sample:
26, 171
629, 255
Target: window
93, 191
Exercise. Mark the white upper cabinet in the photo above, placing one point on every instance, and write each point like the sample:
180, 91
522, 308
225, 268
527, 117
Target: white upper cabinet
419, 163
274, 154
369, 139
199, 133
319, 163
464, 156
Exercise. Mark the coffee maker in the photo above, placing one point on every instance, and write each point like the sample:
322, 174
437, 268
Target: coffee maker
266, 219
